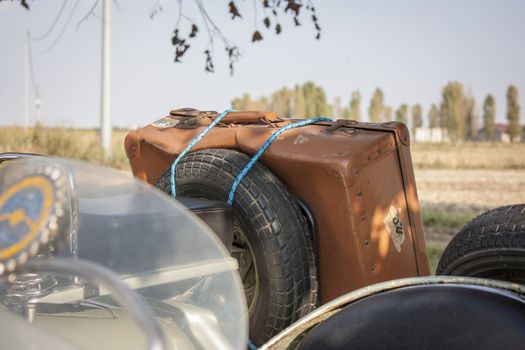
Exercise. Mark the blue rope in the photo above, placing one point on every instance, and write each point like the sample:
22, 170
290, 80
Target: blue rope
246, 169
190, 146
268, 142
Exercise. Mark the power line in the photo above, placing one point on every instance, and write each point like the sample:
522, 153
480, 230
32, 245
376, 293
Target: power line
53, 24
52, 46
90, 12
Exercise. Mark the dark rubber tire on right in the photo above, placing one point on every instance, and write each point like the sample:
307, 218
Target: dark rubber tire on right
491, 245
270, 230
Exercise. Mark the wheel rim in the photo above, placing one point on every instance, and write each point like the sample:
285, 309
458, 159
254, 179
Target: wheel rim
242, 251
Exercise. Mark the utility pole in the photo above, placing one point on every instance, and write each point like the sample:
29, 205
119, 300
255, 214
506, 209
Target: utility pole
26, 80
38, 103
105, 115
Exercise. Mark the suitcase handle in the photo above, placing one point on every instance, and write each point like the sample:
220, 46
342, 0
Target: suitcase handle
248, 117
192, 117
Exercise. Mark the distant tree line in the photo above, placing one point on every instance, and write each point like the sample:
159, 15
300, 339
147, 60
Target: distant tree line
456, 113
301, 100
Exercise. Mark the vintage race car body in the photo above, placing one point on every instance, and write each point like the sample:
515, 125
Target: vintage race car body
120, 265
356, 180
91, 258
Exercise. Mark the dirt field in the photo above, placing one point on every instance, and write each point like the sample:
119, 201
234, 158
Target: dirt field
469, 190
480, 155
451, 197
458, 182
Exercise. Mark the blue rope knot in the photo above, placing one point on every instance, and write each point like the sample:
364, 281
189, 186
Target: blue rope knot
252, 161
190, 146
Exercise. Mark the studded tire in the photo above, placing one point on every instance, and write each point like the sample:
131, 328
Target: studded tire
491, 245
270, 233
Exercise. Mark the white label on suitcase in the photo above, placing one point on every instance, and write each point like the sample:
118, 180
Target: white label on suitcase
394, 226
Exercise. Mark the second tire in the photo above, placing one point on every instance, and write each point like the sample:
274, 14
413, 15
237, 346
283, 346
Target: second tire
492, 245
271, 239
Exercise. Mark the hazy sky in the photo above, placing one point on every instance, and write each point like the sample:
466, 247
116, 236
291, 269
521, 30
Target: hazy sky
409, 48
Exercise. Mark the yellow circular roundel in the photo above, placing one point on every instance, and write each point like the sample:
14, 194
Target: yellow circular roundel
26, 209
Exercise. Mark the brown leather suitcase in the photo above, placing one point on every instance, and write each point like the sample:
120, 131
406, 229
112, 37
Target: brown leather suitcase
356, 178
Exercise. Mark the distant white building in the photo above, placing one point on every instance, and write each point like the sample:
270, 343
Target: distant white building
501, 133
431, 135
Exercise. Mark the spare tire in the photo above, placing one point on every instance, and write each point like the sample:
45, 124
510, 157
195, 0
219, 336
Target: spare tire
271, 238
491, 245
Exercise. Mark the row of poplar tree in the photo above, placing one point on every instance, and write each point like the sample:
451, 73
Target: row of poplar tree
456, 113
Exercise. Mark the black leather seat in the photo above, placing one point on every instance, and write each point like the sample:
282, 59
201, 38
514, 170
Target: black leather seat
425, 317
217, 215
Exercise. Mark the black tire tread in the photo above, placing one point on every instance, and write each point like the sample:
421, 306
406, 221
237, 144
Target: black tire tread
497, 229
282, 231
